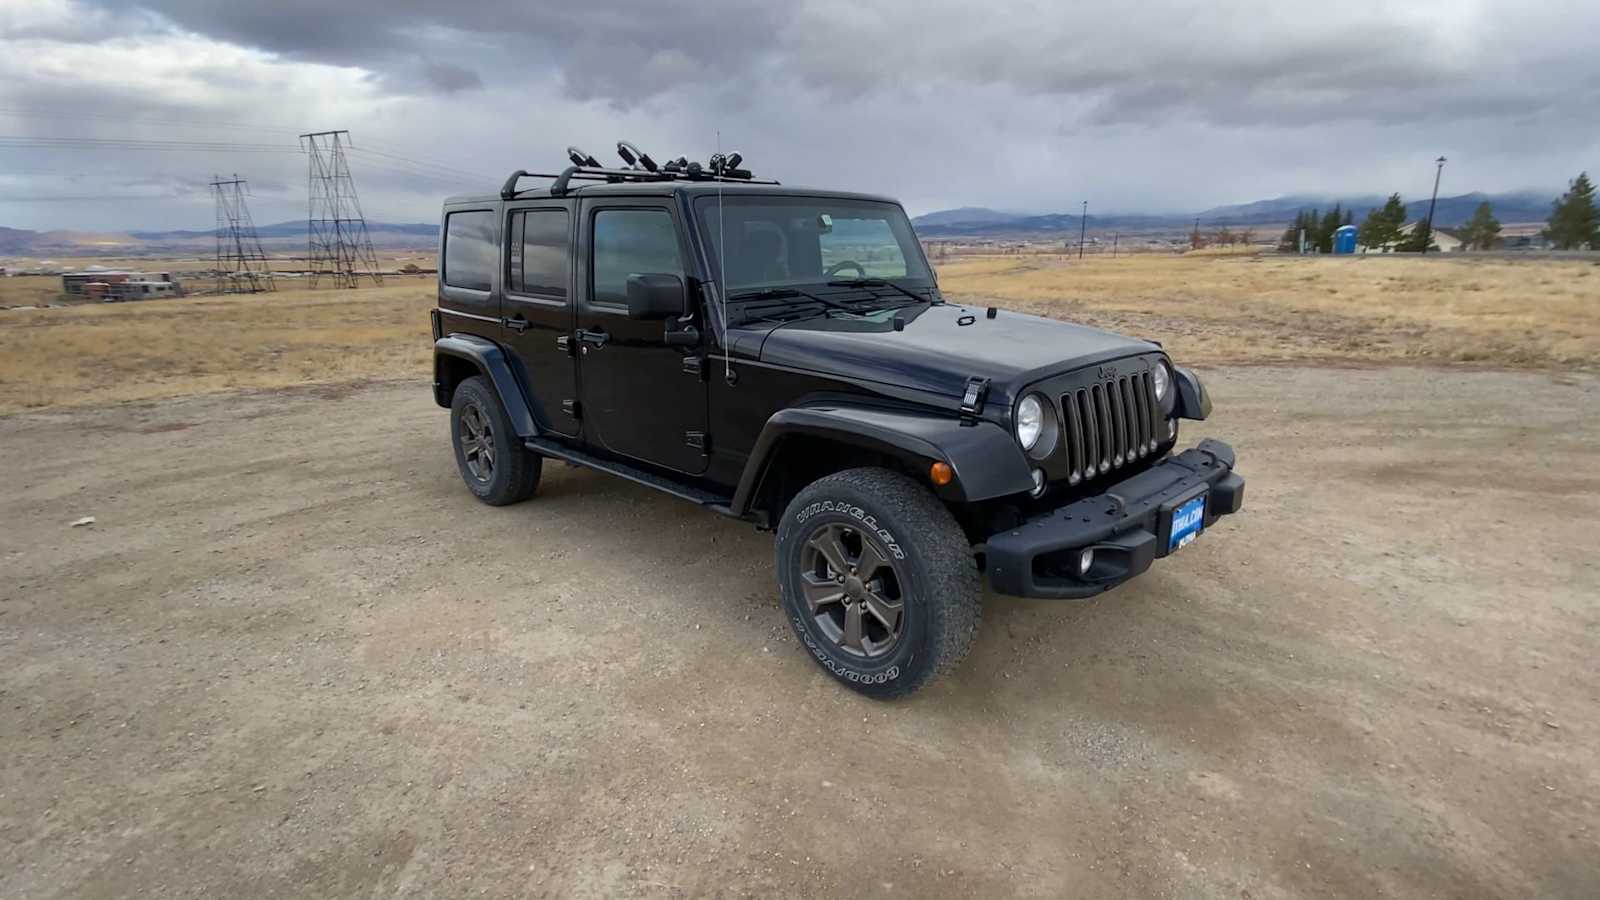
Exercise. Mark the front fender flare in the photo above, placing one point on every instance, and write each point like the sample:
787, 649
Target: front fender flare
985, 458
1193, 401
491, 361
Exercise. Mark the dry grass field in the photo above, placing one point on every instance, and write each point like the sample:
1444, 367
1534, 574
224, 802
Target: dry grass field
30, 290
1251, 309
97, 353
1206, 309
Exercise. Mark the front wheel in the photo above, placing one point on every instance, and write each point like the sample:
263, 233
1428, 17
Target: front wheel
878, 581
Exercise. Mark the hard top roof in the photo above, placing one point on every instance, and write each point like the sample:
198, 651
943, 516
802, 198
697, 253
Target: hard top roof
691, 189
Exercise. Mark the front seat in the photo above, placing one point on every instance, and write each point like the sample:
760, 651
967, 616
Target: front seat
763, 257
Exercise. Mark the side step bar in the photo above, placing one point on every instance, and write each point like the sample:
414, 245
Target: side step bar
713, 501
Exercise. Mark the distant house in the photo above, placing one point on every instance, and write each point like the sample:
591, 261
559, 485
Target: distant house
1446, 241
1524, 236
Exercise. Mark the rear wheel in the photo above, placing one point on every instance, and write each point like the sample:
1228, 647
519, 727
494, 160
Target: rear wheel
495, 465
878, 581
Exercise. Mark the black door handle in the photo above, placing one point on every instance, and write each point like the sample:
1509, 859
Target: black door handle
597, 338
517, 324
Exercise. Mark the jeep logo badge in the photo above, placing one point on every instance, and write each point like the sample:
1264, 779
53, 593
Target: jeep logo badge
1106, 372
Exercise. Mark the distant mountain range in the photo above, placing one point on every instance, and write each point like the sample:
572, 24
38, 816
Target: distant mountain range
280, 237
966, 221
1451, 211
293, 229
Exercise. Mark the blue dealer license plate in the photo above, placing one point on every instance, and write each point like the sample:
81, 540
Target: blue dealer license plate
1187, 520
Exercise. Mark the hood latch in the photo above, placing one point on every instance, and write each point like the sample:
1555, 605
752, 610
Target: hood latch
972, 398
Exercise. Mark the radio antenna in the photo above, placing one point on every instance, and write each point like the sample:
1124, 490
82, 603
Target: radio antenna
722, 273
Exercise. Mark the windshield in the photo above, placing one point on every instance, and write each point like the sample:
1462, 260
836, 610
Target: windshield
776, 242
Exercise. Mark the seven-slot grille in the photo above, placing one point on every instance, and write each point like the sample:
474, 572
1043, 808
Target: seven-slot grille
1110, 424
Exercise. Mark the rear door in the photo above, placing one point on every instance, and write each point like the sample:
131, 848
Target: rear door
638, 398
536, 304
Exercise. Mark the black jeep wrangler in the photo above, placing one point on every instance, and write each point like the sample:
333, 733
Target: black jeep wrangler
784, 356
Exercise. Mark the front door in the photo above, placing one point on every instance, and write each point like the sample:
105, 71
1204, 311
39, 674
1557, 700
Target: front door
536, 309
637, 399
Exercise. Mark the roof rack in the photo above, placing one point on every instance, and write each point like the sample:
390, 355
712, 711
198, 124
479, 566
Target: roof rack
642, 169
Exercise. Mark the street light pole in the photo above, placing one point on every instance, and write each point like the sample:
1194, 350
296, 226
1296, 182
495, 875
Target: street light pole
1083, 227
1427, 230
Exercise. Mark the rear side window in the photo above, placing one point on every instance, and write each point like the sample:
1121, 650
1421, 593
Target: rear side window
539, 261
469, 250
631, 242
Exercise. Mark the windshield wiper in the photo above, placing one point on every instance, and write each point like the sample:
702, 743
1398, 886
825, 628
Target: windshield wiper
879, 282
779, 293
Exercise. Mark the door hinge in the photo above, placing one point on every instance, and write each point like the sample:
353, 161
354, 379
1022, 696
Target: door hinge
698, 440
572, 408
695, 365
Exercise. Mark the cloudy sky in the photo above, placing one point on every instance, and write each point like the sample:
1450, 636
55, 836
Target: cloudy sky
1034, 106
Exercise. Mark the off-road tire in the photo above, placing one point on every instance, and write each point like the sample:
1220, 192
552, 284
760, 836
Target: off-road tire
514, 474
931, 560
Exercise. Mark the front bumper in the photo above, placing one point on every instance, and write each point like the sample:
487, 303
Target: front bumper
1128, 526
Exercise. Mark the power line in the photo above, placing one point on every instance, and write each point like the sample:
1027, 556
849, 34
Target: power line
88, 198
67, 143
393, 169
418, 162
21, 113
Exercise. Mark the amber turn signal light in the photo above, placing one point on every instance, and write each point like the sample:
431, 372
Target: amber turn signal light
940, 473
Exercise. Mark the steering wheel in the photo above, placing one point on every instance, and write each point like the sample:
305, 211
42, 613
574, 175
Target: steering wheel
846, 264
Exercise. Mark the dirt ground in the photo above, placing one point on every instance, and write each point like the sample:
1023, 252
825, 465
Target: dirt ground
293, 658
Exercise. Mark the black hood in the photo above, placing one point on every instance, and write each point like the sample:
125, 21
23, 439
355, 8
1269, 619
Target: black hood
942, 346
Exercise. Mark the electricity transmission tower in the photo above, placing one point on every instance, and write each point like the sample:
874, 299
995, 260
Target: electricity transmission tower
340, 247
241, 265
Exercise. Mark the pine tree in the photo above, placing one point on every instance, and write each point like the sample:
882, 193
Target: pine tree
1305, 220
1412, 243
1382, 226
1326, 227
1574, 219
1291, 235
1482, 231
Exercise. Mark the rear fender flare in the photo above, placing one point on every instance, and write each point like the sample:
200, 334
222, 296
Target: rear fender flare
490, 360
986, 459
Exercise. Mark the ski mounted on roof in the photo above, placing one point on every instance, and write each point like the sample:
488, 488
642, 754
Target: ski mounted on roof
640, 167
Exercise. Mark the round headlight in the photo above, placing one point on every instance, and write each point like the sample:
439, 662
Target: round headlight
1162, 379
1030, 421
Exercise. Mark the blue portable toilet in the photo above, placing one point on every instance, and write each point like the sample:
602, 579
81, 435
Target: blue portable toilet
1344, 239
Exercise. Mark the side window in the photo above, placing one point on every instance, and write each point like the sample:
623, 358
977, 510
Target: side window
631, 242
539, 252
469, 250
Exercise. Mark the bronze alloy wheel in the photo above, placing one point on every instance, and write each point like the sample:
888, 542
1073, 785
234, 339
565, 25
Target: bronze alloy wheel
477, 443
853, 590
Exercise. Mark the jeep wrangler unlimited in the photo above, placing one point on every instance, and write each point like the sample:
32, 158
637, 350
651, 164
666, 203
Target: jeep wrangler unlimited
784, 356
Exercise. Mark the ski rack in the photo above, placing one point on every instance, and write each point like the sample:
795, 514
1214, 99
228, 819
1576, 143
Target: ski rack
669, 172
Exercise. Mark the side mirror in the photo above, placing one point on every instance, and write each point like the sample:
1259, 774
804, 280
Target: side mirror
655, 296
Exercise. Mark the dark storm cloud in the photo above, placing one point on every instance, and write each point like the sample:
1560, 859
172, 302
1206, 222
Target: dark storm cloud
451, 78
1029, 104
612, 49
1232, 64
